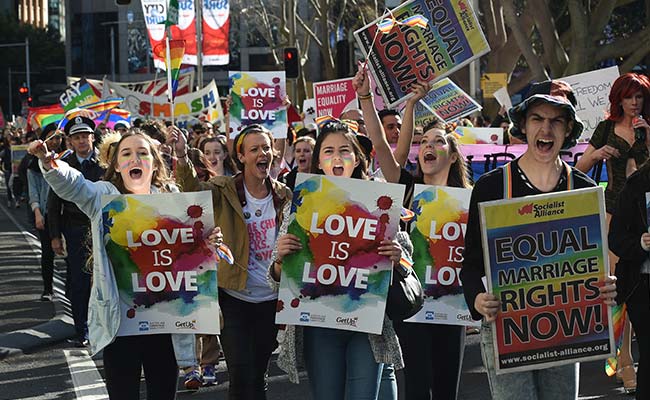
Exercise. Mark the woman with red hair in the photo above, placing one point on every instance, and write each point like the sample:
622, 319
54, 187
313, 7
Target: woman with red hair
622, 139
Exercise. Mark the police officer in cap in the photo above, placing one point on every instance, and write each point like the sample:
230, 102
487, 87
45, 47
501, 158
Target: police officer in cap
66, 220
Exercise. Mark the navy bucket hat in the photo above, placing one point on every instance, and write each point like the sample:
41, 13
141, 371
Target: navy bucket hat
554, 92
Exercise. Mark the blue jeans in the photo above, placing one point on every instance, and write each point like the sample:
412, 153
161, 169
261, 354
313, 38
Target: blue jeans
388, 384
340, 364
556, 383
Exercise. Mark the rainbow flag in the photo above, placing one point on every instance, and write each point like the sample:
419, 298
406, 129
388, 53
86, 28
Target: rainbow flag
406, 215
103, 105
173, 64
115, 115
223, 252
386, 25
42, 116
415, 20
80, 93
618, 318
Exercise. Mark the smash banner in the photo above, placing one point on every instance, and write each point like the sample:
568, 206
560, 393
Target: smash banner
155, 87
257, 98
447, 101
338, 280
438, 237
334, 97
545, 258
407, 54
164, 266
202, 104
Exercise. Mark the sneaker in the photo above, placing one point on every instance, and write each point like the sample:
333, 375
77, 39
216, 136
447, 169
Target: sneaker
46, 297
193, 380
209, 377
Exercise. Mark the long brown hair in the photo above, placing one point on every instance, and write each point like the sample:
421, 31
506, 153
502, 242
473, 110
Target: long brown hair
229, 166
361, 170
458, 172
160, 178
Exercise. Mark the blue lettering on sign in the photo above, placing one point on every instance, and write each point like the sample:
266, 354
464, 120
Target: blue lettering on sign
186, 5
155, 20
208, 99
215, 4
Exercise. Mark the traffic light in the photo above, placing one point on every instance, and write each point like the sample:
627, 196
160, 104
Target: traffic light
23, 91
291, 62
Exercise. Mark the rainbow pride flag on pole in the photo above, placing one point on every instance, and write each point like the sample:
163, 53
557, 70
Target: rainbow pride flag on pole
172, 51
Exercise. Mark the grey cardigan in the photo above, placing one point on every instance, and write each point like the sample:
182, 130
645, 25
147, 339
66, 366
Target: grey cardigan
385, 347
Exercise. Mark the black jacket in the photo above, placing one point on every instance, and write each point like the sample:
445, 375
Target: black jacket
64, 214
628, 223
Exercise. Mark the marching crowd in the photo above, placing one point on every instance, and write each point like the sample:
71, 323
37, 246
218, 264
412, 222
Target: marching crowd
251, 178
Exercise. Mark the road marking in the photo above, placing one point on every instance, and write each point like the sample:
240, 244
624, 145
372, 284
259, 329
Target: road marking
30, 238
87, 382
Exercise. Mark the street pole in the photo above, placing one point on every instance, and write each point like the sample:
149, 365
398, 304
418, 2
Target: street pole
11, 102
474, 67
292, 43
113, 53
29, 86
199, 42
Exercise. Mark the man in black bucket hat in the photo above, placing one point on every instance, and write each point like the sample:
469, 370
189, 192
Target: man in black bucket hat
546, 120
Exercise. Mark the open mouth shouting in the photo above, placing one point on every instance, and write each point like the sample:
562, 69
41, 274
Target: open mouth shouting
338, 170
302, 163
263, 166
544, 145
135, 173
429, 157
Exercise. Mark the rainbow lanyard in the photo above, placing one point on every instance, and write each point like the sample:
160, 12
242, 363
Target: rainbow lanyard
507, 179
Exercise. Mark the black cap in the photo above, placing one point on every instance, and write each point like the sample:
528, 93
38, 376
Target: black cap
79, 125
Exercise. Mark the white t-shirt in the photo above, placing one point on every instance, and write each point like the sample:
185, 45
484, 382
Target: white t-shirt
259, 215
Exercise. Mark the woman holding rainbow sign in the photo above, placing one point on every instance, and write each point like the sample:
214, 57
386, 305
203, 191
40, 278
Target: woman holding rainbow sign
433, 354
340, 364
135, 166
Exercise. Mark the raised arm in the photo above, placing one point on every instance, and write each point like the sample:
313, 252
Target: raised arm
389, 166
185, 174
419, 90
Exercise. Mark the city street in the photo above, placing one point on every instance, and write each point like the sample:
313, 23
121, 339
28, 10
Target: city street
49, 368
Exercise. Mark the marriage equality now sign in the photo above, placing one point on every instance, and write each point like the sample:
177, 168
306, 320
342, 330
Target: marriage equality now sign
405, 55
164, 266
438, 237
337, 280
545, 258
257, 98
446, 101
